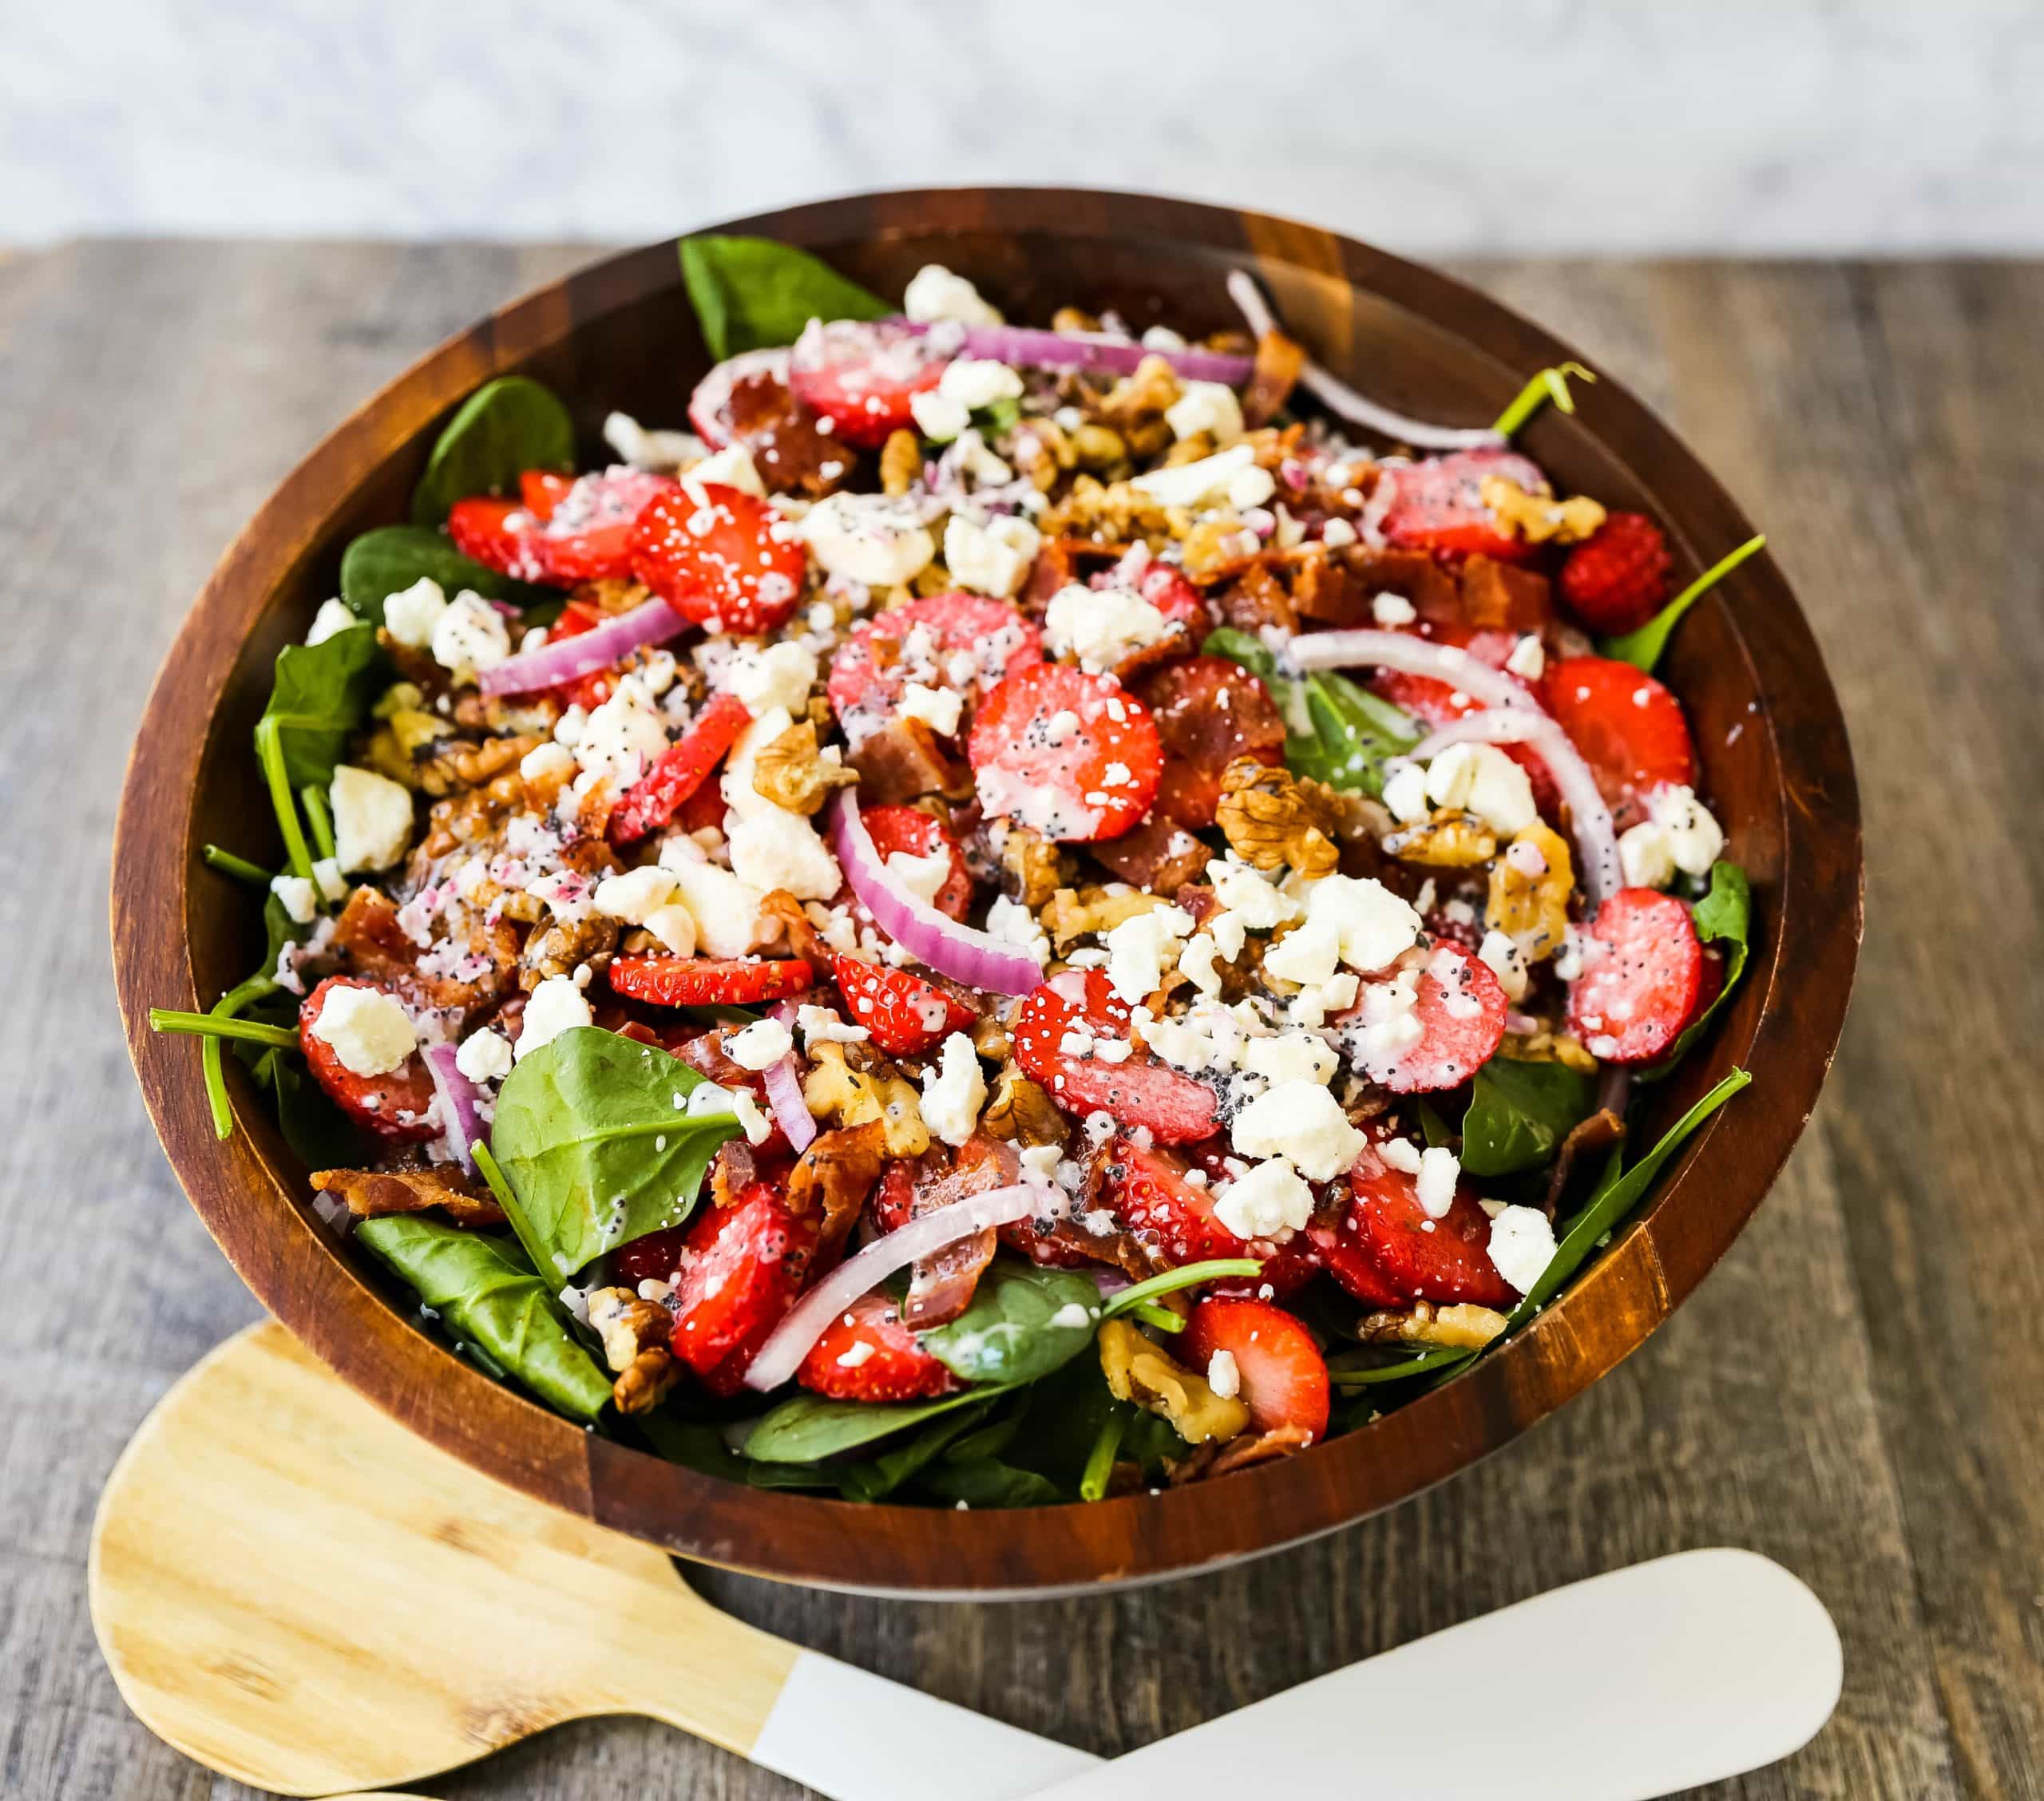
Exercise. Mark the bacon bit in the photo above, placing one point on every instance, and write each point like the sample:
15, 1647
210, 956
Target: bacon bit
834, 1177
1588, 1138
376, 1193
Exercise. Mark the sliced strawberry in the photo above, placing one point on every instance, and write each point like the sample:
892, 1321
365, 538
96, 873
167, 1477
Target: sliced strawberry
864, 374
742, 1269
1420, 1259
1083, 1001
867, 1354
1438, 504
1628, 728
709, 407
1073, 756
653, 1258
1208, 711
540, 491
677, 981
1642, 972
1173, 1108
963, 642
1283, 1377
654, 799
397, 1107
913, 833
1172, 1218
1616, 579
893, 1202
725, 561
1460, 1009
586, 533
501, 534
1167, 587
1345, 1253
905, 1014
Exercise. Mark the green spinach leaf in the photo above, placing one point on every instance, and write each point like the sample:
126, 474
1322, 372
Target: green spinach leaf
876, 1478
322, 694
986, 1482
752, 294
1520, 1113
486, 1295
1024, 1321
505, 427
390, 559
806, 1428
1723, 917
594, 1133
1335, 731
1642, 648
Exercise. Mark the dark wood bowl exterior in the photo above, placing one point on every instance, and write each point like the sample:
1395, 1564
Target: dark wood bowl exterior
1771, 740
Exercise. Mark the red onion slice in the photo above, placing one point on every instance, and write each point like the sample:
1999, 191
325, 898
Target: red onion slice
709, 407
1596, 839
460, 1117
1342, 400
1413, 656
784, 1082
962, 952
583, 654
1035, 348
792, 1340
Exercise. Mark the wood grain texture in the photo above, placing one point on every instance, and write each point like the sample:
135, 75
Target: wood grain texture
1851, 1391
1771, 747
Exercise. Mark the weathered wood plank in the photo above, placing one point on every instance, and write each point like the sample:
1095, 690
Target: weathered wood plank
1834, 1395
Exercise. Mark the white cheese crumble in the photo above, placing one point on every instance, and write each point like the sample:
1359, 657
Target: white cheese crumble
636, 895
1528, 660
1406, 792
955, 1092
1224, 1376
546, 763
934, 293
649, 449
1440, 1170
366, 1030
725, 909
779, 675
485, 1056
621, 739
1392, 610
372, 818
1206, 406
937, 708
869, 538
332, 617
555, 1005
1679, 833
1500, 955
470, 637
300, 898
760, 1045
731, 467
1101, 628
1301, 1121
1521, 1245
820, 1025
410, 615
1191, 485
1142, 948
1251, 897
775, 848
992, 557
1013, 923
1481, 779
1352, 920
1270, 1198
1292, 1056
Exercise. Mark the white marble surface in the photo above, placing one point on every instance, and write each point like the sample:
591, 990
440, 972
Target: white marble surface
1824, 125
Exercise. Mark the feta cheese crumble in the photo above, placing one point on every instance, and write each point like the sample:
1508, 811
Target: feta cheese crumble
367, 1030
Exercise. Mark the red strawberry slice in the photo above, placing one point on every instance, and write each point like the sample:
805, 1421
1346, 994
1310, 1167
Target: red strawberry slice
867, 1354
742, 1269
1445, 1259
863, 375
397, 1107
1345, 1255
905, 1014
1628, 728
709, 407
1642, 974
914, 833
677, 981
1073, 756
724, 559
653, 1258
1167, 589
540, 491
1282, 1376
1460, 1009
654, 799
1438, 504
1616, 579
501, 534
1208, 711
1085, 1001
1172, 1218
1173, 1108
585, 533
959, 641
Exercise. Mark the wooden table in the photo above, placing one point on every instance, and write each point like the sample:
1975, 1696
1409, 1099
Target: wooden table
1856, 1391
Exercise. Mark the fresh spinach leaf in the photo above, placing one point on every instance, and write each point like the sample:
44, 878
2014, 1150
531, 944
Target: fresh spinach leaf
320, 1135
390, 559
752, 294
504, 427
1723, 917
1432, 1127
486, 1295
986, 1482
1642, 648
806, 1428
1520, 1113
1247, 649
321, 694
594, 1133
1024, 1321
1335, 731
1129, 1299
876, 1478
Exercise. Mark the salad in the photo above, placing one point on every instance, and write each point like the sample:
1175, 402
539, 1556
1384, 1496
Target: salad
1021, 912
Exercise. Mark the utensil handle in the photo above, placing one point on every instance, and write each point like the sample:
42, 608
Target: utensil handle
858, 1737
1658, 1678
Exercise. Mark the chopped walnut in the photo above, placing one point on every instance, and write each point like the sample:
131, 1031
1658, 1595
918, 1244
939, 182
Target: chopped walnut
635, 1335
901, 462
1463, 1327
1451, 840
1532, 910
852, 1097
1120, 513
1548, 1048
1033, 868
373, 1193
1022, 1113
1098, 447
835, 1176
1144, 394
612, 594
1218, 548
1139, 1371
1071, 914
1538, 517
792, 772
458, 765
1270, 820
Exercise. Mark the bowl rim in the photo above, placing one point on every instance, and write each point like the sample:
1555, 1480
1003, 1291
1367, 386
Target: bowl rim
1612, 1305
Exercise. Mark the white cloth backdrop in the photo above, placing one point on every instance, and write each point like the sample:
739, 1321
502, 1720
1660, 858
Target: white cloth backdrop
1429, 125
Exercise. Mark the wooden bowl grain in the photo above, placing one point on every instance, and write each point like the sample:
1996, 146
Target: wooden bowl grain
620, 334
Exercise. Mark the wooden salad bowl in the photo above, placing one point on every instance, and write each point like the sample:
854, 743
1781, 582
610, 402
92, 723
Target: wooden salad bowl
620, 334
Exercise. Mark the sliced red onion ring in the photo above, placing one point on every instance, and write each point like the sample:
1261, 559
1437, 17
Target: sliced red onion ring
709, 407
924, 1236
965, 954
583, 654
1342, 400
1035, 349
784, 1082
1596, 839
1414, 656
460, 1117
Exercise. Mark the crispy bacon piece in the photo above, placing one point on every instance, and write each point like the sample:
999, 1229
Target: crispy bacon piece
781, 432
1496, 597
901, 762
373, 1193
834, 1179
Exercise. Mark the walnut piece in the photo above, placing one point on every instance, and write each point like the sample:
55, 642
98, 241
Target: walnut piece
1022, 1113
835, 1090
1071, 914
1269, 820
1138, 1371
1463, 1327
1451, 840
1537, 517
1217, 548
1548, 1048
1144, 395
1116, 513
458, 763
635, 1335
792, 772
1532, 910
1033, 868
901, 462
834, 1175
